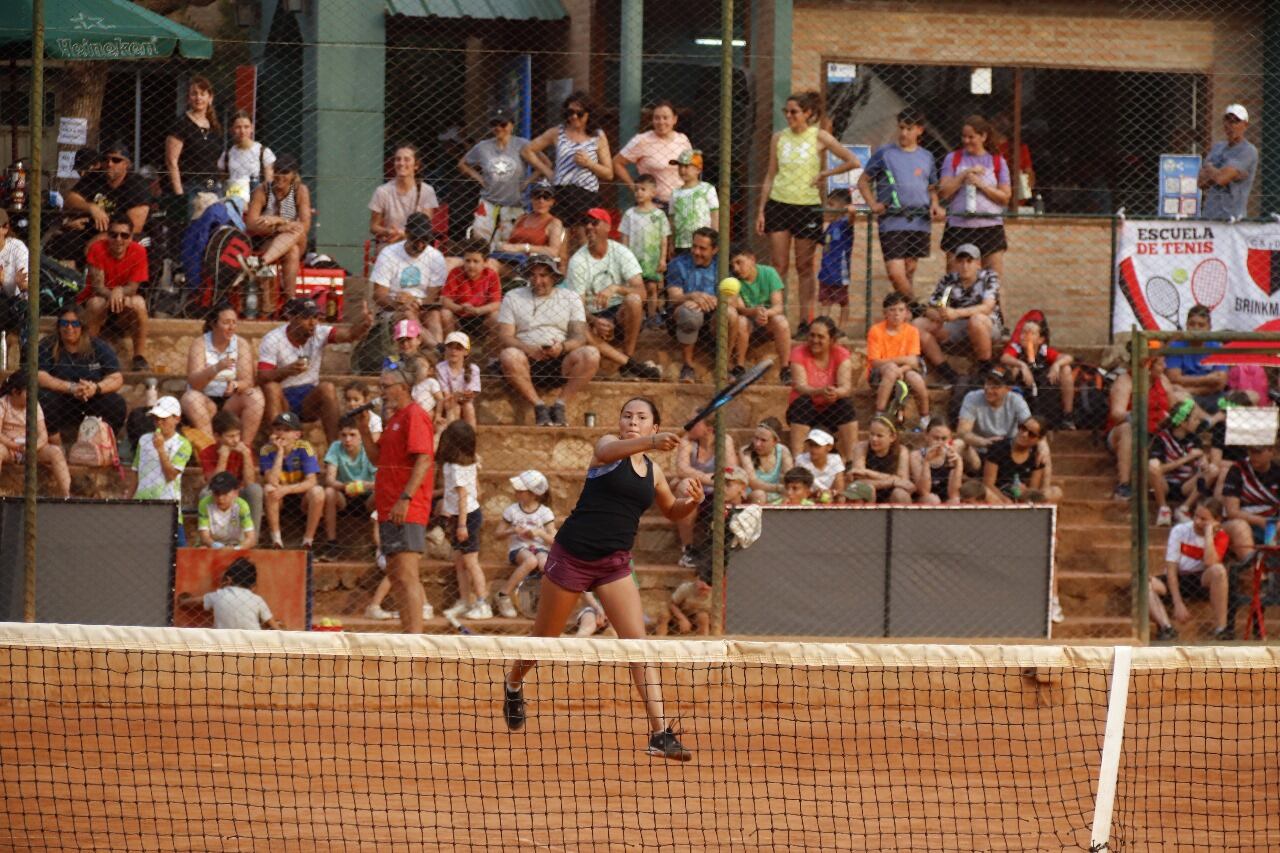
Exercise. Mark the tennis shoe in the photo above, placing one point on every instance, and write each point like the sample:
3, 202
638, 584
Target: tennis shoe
687, 559
541, 415
513, 710
665, 744
505, 606
1166, 634
1055, 611
784, 375
687, 374
455, 612
374, 611
557, 414
481, 610
1164, 517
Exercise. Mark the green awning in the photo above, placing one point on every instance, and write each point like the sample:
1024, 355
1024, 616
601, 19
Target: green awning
511, 10
101, 29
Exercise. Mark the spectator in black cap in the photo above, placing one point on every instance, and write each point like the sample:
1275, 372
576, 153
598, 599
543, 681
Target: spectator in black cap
407, 278
279, 218
289, 361
290, 467
97, 197
495, 164
988, 416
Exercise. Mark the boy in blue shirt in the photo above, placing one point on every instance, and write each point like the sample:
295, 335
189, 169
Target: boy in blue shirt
837, 246
348, 479
900, 185
290, 467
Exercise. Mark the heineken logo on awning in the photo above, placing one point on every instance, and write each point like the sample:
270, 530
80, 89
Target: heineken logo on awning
116, 48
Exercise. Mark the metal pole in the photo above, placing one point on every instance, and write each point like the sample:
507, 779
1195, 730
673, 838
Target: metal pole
1138, 483
722, 312
35, 202
631, 50
867, 320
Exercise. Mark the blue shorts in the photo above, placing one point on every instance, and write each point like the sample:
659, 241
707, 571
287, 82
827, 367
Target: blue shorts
295, 394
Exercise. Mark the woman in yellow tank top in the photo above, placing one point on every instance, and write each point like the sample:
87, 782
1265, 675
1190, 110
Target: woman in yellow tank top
791, 200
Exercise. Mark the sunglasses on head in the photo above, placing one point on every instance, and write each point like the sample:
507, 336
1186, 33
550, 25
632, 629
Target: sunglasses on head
69, 324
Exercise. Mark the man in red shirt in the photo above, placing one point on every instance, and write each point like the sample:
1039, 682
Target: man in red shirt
402, 488
117, 269
471, 295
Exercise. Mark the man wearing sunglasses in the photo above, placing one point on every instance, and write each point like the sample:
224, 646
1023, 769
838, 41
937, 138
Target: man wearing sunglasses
96, 198
117, 269
407, 278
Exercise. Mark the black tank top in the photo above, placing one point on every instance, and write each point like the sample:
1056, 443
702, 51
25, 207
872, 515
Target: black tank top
939, 477
887, 464
608, 511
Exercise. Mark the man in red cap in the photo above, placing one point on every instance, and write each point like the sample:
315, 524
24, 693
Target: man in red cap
608, 278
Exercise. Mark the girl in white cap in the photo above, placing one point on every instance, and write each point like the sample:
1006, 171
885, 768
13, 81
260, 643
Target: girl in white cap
459, 379
531, 526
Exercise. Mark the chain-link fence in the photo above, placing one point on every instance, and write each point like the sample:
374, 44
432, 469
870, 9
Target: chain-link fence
1031, 181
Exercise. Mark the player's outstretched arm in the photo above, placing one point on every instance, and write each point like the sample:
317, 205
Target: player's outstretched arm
683, 500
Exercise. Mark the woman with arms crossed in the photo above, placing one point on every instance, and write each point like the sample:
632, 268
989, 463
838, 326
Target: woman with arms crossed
592, 552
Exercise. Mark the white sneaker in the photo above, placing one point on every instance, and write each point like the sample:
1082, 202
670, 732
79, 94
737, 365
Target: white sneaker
1164, 517
427, 611
374, 611
459, 607
480, 611
1055, 611
686, 559
1181, 516
505, 605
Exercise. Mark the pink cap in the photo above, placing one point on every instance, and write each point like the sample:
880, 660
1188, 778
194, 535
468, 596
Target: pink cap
406, 328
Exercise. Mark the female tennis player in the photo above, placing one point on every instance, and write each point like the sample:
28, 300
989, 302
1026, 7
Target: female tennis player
592, 551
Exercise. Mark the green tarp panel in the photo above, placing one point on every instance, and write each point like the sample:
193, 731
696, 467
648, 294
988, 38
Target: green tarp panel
101, 29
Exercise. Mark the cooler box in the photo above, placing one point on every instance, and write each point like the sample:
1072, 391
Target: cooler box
321, 285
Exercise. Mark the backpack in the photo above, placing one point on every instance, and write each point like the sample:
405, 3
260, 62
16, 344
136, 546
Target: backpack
95, 445
996, 162
59, 286
367, 354
1093, 397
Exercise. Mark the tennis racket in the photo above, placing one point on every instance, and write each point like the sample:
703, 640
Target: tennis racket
527, 593
1209, 283
728, 393
1162, 295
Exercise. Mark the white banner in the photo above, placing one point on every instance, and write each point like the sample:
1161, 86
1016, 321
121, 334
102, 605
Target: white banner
1165, 268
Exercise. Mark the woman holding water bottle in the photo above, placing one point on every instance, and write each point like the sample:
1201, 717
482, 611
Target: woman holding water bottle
220, 367
974, 183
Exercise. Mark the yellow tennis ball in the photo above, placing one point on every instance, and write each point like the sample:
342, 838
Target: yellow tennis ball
1180, 276
730, 286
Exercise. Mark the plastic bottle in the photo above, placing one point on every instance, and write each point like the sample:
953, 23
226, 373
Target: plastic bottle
970, 198
1015, 490
251, 299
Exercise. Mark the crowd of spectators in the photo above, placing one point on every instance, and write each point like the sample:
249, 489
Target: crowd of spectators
553, 285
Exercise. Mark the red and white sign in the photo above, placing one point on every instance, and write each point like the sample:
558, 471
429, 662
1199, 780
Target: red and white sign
1165, 268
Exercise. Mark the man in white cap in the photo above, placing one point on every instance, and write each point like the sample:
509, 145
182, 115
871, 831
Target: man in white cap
1227, 174
160, 456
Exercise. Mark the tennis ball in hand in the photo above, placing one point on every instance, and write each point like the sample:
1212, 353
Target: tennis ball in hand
730, 286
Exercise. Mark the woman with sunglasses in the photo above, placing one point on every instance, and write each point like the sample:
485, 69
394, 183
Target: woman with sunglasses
791, 199
496, 166
404, 194
1015, 466
582, 161
539, 232
79, 376
279, 217
14, 263
194, 145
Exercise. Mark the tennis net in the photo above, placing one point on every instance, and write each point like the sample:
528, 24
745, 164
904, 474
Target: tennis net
167, 739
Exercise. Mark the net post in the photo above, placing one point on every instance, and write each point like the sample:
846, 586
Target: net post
1138, 499
1112, 741
722, 314
34, 204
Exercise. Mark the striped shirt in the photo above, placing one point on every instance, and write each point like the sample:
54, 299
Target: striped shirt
1258, 491
1166, 447
570, 173
285, 208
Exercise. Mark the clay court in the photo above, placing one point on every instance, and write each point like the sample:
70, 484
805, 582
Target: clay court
349, 743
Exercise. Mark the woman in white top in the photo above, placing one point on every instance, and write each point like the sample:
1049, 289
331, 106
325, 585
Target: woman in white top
246, 163
397, 198
14, 262
220, 367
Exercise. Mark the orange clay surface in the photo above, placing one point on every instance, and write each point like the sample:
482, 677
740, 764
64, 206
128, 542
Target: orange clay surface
176, 751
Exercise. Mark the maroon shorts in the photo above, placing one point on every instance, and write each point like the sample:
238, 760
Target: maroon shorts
577, 575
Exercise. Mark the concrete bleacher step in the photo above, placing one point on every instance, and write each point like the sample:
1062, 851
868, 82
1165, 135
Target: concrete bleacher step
1094, 628
435, 625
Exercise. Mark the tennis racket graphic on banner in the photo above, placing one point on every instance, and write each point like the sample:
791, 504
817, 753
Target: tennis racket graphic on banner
726, 394
1209, 283
1162, 296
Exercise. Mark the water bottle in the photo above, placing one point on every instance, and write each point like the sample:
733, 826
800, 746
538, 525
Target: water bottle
251, 299
1015, 490
970, 198
152, 394
1038, 204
